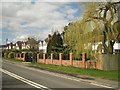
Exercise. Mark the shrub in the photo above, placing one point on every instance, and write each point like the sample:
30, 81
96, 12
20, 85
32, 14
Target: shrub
11, 55
6, 55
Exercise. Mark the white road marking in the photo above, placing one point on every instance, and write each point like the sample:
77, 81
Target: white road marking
36, 85
101, 85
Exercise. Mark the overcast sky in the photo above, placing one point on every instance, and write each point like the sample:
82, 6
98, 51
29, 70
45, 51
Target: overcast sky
33, 18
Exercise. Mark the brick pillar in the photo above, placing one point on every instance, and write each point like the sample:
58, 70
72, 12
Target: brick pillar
99, 63
20, 55
71, 61
51, 58
24, 55
60, 58
83, 60
16, 55
5, 55
38, 57
44, 57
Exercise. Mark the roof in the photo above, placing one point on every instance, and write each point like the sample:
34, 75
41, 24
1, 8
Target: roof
48, 38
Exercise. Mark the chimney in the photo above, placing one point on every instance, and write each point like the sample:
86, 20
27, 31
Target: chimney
49, 37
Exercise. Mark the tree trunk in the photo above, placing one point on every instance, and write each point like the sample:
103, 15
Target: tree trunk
104, 42
110, 46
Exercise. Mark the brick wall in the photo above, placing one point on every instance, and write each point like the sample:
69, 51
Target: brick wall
76, 63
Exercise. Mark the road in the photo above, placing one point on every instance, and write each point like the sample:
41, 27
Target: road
18, 75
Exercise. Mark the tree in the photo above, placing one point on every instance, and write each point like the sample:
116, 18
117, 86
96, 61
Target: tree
55, 44
32, 43
105, 15
77, 37
97, 24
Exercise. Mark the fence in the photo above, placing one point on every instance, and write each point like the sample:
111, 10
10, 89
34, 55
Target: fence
68, 60
57, 59
20, 56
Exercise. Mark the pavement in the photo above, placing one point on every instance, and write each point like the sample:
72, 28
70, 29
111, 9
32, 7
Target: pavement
47, 79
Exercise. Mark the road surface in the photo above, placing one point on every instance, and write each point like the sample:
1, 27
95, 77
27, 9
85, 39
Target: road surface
18, 75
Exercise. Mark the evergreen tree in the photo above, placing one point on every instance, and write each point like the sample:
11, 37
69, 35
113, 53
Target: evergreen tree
55, 44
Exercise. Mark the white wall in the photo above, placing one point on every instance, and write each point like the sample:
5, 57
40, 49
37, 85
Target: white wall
44, 47
116, 46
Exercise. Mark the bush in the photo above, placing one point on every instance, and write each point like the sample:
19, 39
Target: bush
6, 55
11, 55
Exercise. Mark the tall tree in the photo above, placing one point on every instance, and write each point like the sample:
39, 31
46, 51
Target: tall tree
55, 44
100, 22
106, 14
32, 43
77, 37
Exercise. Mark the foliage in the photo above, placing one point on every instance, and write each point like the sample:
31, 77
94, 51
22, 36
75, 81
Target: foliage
11, 55
15, 51
6, 55
32, 43
105, 15
78, 37
55, 44
99, 23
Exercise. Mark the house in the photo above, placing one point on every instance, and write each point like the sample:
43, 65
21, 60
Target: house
116, 46
31, 43
43, 44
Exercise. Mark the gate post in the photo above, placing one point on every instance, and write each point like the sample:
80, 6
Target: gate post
20, 56
99, 63
38, 57
71, 61
60, 58
83, 60
51, 58
44, 58
24, 56
16, 55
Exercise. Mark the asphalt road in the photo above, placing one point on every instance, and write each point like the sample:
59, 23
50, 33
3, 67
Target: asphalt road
20, 76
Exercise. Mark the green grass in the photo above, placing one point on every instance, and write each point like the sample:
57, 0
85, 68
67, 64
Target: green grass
111, 75
12, 59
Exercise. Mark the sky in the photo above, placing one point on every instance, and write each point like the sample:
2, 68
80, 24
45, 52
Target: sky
20, 20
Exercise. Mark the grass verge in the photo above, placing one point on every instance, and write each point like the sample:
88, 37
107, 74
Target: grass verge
111, 75
13, 59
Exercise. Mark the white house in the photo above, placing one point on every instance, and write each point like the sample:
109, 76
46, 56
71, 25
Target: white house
16, 46
116, 46
43, 46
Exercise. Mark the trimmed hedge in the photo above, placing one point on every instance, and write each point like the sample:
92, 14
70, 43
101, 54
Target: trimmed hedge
11, 55
6, 55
